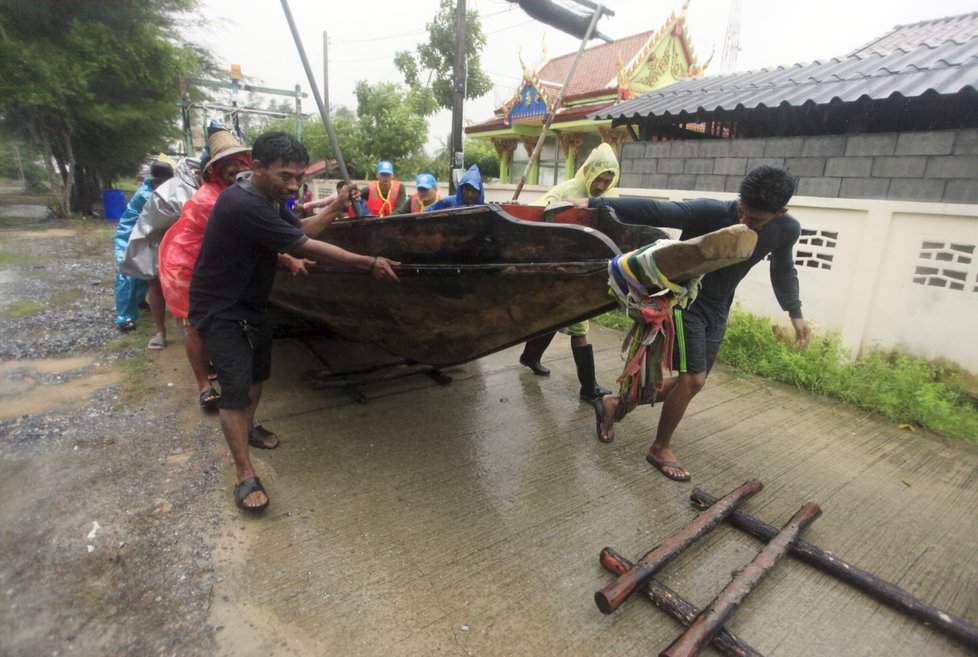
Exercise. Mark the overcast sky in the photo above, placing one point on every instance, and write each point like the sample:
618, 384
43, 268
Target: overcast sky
363, 37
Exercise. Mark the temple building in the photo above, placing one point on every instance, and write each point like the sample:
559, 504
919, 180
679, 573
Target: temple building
606, 75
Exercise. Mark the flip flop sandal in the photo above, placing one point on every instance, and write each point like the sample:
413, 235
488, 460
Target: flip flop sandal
209, 398
257, 436
126, 326
599, 415
243, 489
211, 372
156, 343
662, 465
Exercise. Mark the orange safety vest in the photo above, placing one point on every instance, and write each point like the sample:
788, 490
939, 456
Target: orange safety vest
418, 206
378, 205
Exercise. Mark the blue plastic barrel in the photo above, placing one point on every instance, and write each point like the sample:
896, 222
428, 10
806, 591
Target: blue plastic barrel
113, 203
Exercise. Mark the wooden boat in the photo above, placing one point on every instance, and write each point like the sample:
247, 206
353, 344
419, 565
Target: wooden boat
474, 279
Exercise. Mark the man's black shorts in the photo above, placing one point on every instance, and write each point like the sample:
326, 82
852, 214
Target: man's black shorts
699, 332
242, 355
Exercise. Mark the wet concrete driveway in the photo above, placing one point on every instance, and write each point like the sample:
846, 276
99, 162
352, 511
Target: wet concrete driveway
467, 519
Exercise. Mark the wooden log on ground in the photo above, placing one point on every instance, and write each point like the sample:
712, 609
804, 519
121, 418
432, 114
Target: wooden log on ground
884, 591
612, 596
711, 619
678, 607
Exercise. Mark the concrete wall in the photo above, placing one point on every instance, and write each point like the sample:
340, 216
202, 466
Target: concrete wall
937, 166
880, 273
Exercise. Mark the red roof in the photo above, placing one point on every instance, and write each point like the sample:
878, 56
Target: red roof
598, 69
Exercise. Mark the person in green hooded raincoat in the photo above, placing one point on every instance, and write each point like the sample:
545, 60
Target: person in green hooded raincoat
596, 177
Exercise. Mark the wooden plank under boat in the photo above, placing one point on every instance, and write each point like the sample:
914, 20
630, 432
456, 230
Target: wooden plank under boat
476, 279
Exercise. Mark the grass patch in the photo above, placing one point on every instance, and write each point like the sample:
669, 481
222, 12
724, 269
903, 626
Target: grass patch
23, 309
907, 390
138, 370
14, 260
615, 319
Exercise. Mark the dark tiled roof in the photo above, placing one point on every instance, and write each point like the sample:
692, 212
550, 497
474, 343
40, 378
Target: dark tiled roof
925, 33
921, 60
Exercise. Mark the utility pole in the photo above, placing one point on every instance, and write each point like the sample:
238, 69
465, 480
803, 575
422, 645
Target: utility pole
325, 71
458, 75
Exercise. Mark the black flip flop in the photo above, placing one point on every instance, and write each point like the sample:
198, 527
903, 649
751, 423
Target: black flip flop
599, 415
208, 399
257, 435
662, 465
243, 489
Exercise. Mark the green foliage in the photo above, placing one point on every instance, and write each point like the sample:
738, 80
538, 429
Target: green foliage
23, 309
435, 61
483, 153
93, 84
904, 389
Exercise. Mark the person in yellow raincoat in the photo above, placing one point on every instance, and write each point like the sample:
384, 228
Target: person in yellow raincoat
596, 177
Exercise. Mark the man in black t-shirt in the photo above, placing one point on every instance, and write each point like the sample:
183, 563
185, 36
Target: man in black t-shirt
762, 207
232, 280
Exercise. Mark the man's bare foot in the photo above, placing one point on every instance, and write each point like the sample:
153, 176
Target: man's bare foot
664, 460
604, 413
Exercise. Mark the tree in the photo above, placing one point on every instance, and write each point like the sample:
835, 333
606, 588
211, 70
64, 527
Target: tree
435, 59
92, 85
483, 153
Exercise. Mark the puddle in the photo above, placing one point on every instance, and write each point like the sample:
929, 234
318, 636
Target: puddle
27, 388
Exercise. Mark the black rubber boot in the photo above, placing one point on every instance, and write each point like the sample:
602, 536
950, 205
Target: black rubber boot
584, 360
532, 352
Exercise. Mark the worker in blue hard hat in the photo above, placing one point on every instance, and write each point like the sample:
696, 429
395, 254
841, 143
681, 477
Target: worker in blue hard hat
427, 192
386, 195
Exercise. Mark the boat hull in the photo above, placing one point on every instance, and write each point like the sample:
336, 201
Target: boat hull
473, 281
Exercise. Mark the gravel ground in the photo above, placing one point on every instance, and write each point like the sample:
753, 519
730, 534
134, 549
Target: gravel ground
108, 505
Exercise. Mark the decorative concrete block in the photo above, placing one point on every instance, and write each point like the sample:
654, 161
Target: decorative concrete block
715, 147
865, 188
966, 142
698, 165
876, 144
824, 146
939, 142
680, 181
731, 166
906, 166
917, 189
805, 166
952, 166
685, 149
851, 167
711, 183
654, 181
754, 162
961, 191
783, 146
658, 149
747, 148
670, 165
824, 187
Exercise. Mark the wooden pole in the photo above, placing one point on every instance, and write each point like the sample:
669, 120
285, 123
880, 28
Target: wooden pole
709, 622
560, 98
678, 607
459, 73
612, 596
880, 589
319, 100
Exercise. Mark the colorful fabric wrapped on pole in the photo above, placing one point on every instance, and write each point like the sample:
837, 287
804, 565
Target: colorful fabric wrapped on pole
647, 297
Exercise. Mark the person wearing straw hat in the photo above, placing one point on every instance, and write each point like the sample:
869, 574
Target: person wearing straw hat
180, 247
232, 282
